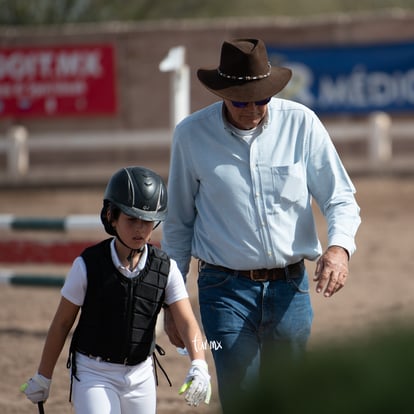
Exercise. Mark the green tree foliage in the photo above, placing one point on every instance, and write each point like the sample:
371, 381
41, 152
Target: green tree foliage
368, 375
24, 12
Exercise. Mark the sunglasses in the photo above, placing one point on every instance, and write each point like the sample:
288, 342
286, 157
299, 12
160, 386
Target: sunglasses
237, 104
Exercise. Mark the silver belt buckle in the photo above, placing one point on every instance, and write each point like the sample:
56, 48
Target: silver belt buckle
257, 279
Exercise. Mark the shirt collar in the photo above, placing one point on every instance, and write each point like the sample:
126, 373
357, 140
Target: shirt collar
123, 269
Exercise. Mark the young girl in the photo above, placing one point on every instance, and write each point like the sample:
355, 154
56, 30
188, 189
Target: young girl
120, 285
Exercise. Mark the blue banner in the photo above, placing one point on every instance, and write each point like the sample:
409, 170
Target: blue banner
351, 79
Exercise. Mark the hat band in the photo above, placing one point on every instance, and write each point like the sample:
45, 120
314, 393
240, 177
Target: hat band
247, 78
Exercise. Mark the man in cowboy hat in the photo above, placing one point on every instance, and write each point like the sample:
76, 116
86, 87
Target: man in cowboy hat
243, 173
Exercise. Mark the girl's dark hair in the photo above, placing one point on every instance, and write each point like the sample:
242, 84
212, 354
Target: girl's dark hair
114, 214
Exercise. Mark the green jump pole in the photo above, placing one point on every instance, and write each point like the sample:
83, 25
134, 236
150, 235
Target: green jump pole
33, 280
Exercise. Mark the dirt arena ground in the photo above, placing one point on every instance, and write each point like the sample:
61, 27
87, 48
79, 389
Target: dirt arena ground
378, 293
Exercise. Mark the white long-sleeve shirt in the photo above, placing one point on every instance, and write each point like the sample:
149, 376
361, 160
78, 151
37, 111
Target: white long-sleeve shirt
248, 205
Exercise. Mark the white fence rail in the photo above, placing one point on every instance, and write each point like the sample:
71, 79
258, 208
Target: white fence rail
379, 131
18, 146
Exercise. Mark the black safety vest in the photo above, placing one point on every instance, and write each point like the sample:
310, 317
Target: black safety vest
118, 316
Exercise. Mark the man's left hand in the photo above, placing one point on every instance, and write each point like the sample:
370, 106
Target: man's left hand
331, 271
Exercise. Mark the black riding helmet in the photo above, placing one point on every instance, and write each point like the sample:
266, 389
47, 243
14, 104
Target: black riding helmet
138, 192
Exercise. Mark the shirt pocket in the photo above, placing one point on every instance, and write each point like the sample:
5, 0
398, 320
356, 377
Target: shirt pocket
289, 183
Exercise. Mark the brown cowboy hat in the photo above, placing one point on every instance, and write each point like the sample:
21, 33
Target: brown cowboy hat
245, 73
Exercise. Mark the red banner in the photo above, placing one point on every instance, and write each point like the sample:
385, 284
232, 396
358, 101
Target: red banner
57, 80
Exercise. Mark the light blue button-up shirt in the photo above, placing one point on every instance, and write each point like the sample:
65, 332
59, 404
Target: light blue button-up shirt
249, 206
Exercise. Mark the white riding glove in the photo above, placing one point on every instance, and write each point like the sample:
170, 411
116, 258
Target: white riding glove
37, 388
197, 383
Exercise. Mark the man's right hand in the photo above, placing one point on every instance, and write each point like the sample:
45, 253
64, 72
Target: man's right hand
171, 330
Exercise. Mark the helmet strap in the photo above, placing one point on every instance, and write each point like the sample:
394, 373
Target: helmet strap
131, 255
132, 252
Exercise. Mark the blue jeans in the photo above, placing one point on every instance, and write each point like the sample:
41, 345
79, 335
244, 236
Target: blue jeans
242, 319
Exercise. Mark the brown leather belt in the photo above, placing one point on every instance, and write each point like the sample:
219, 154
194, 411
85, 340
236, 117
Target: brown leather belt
260, 275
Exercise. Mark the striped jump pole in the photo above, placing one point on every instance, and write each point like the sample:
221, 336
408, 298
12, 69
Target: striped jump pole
16, 250
68, 223
32, 280
20, 251
42, 251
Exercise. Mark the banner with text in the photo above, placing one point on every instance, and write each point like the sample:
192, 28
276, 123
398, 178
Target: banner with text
57, 81
351, 79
